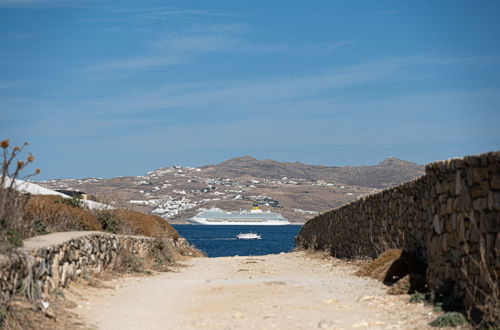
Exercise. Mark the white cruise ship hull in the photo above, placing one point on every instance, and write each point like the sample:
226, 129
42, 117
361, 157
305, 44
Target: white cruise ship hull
257, 222
256, 217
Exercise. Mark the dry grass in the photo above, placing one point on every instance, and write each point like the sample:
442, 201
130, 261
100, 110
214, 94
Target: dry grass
137, 223
397, 268
12, 227
379, 267
23, 314
58, 216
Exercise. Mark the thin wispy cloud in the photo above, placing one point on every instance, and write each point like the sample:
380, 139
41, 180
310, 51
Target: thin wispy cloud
386, 12
12, 84
329, 46
162, 13
339, 44
198, 38
135, 64
199, 43
39, 3
471, 60
221, 28
247, 95
285, 94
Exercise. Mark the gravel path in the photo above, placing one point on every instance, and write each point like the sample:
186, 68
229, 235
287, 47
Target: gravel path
285, 291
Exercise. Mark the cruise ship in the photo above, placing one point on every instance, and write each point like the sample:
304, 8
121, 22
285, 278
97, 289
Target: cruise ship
255, 216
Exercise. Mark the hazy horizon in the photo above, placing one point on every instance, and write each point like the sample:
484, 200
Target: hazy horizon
37, 178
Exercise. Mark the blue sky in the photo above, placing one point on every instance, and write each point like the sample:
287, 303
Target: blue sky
109, 88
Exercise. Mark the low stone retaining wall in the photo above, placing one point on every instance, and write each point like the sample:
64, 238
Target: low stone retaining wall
450, 218
52, 261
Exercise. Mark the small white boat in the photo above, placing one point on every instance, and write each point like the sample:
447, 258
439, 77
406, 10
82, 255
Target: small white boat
249, 235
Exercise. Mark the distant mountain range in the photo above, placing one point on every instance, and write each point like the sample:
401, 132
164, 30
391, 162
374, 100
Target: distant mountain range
389, 172
297, 190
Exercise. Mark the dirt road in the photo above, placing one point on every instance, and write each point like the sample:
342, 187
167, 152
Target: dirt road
285, 291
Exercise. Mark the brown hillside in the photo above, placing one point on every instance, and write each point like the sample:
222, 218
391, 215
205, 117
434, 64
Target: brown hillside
139, 223
58, 216
296, 190
389, 172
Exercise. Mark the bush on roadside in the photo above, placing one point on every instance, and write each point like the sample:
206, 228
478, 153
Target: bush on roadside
450, 319
12, 227
56, 215
162, 255
137, 223
109, 221
74, 201
128, 262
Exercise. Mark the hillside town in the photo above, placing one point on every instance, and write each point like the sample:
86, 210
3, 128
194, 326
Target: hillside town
177, 192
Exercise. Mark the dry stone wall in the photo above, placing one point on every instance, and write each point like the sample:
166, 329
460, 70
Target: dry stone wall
37, 271
449, 218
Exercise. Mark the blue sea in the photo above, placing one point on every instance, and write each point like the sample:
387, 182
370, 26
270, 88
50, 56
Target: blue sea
221, 241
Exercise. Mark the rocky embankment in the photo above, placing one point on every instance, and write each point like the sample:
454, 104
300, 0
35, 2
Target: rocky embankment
52, 261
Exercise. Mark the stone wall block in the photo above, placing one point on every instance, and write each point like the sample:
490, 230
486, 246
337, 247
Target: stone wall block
496, 201
87, 247
495, 182
458, 183
459, 163
440, 188
102, 245
473, 265
478, 191
464, 201
469, 176
41, 268
484, 160
483, 220
479, 174
493, 224
42, 253
444, 242
73, 254
480, 204
453, 222
449, 205
471, 161
474, 235
490, 250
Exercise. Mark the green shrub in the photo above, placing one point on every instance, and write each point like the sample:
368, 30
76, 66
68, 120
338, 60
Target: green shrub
450, 319
3, 314
58, 292
39, 227
128, 262
110, 222
134, 264
74, 201
161, 254
417, 297
14, 238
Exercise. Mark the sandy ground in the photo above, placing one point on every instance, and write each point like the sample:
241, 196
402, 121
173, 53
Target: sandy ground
285, 291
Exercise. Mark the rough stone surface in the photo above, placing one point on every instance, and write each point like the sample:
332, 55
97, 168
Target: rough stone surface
449, 218
71, 255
